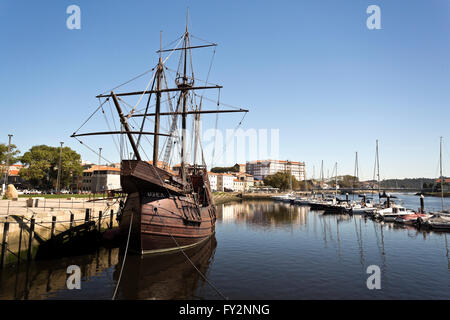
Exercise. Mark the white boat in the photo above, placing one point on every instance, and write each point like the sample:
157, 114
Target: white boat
284, 197
363, 208
391, 213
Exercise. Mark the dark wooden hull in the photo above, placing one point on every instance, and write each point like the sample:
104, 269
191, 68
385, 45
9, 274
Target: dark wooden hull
161, 214
165, 224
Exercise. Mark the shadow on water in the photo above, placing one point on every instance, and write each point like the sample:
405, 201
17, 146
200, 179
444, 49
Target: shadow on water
165, 276
47, 278
162, 276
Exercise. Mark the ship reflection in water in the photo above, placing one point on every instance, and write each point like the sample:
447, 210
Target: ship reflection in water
166, 276
162, 276
264, 250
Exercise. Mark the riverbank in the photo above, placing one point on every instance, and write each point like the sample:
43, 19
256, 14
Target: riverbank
434, 194
224, 197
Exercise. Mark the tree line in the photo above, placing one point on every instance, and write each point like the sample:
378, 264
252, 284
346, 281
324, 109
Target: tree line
41, 165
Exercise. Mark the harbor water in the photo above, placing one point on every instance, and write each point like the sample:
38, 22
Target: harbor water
261, 250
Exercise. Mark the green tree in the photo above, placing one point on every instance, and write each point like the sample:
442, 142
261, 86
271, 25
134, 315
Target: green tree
234, 168
4, 154
41, 166
281, 180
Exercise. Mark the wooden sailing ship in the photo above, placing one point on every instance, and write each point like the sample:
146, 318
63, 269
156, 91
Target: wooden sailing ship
165, 210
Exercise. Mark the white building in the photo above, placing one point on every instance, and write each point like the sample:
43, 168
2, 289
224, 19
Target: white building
263, 168
225, 182
101, 179
212, 180
238, 185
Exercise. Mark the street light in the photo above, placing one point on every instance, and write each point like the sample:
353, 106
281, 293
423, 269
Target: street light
7, 161
58, 179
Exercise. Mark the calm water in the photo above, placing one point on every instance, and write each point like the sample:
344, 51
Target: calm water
262, 250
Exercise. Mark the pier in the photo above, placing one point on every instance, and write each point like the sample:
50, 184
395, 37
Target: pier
32, 228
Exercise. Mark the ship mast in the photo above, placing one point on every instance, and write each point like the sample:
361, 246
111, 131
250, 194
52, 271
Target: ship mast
159, 72
184, 85
184, 115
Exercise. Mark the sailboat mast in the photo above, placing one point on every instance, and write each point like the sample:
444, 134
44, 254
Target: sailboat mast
442, 177
378, 173
355, 177
159, 72
321, 174
335, 181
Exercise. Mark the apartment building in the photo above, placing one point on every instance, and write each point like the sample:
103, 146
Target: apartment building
263, 168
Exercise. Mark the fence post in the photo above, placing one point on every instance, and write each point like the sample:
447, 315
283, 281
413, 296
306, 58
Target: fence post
4, 244
20, 244
111, 219
87, 215
71, 224
30, 239
53, 226
100, 214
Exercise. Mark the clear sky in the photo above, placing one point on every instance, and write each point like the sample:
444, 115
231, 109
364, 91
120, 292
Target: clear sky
310, 68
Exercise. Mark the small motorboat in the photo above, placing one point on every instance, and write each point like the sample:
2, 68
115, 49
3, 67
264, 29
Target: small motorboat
391, 213
284, 197
362, 208
411, 218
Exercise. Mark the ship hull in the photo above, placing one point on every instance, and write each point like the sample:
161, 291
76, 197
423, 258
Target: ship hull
165, 224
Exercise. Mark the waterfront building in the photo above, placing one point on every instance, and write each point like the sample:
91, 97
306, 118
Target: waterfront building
225, 182
263, 168
238, 185
101, 179
212, 181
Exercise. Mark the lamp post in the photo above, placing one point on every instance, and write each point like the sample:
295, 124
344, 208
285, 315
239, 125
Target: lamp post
98, 170
58, 179
7, 161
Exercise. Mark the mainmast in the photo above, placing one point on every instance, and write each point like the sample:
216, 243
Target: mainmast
159, 72
184, 84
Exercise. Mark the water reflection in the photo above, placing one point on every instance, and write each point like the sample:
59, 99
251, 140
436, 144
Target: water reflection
166, 276
265, 214
264, 250
45, 278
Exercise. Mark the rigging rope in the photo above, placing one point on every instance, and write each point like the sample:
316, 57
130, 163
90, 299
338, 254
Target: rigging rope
91, 115
126, 82
191, 262
97, 153
124, 258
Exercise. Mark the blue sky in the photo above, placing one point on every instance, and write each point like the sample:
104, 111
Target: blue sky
310, 68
